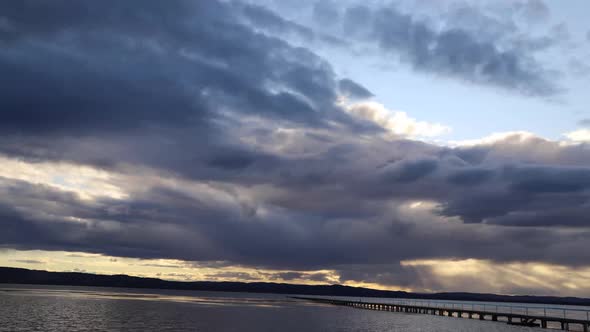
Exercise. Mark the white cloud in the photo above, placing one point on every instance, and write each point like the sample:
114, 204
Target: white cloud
509, 136
395, 122
86, 181
581, 135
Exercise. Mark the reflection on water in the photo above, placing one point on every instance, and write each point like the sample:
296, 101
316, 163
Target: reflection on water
35, 308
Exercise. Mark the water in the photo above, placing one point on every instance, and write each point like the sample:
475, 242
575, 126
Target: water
47, 308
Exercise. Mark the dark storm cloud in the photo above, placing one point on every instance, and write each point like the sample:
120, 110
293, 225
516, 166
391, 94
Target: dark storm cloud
549, 180
191, 230
104, 83
269, 171
573, 216
410, 170
469, 177
85, 63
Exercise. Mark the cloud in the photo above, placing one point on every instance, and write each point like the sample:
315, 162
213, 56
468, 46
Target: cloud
476, 43
578, 68
28, 261
242, 276
471, 176
534, 11
395, 122
489, 53
312, 219
474, 275
517, 137
326, 12
580, 135
353, 90
456, 53
97, 84
189, 132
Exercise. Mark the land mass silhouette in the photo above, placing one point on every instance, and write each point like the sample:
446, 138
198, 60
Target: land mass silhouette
10, 275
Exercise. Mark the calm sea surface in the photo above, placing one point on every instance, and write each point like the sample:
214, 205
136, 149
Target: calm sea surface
47, 308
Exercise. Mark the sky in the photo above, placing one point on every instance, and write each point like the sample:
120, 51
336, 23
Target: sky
426, 146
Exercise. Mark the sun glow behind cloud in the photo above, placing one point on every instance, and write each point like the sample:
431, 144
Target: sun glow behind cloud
167, 269
473, 275
434, 275
85, 181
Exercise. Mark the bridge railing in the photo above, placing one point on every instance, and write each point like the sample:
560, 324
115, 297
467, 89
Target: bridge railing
565, 312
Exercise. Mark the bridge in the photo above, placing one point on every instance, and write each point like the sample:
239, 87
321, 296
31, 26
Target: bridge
435, 308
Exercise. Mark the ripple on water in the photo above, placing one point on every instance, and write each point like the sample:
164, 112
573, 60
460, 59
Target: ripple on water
81, 310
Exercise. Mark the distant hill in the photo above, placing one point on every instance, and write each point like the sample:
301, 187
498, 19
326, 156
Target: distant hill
25, 276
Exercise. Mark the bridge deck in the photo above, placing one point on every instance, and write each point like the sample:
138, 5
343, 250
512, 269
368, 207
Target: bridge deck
511, 318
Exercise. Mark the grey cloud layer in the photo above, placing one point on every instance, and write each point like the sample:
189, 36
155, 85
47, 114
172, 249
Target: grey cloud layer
483, 44
452, 52
191, 91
